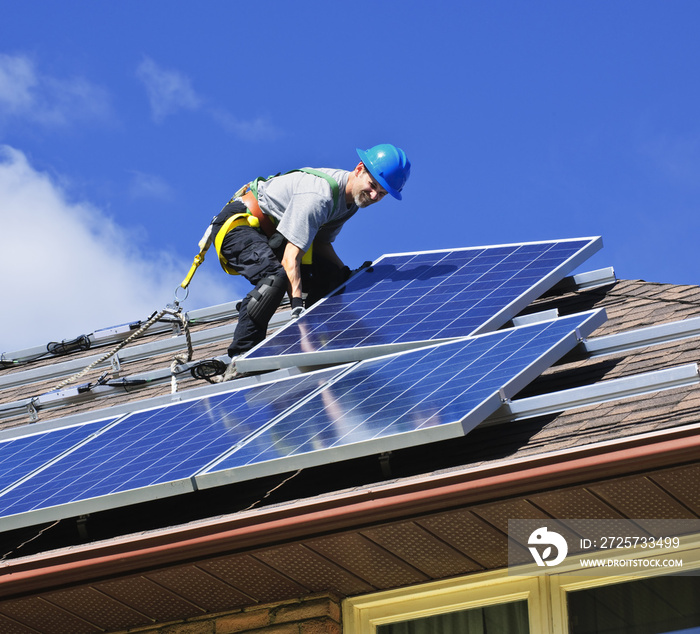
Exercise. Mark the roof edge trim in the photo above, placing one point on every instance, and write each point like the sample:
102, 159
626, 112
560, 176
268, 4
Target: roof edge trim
304, 518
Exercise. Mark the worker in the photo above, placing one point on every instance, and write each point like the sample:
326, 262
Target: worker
265, 231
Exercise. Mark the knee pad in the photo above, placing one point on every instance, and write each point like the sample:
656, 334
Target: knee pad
266, 297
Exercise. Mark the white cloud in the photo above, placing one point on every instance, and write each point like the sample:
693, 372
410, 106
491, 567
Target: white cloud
50, 101
150, 186
168, 90
256, 130
17, 83
68, 269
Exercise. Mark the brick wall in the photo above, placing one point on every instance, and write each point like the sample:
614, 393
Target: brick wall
317, 614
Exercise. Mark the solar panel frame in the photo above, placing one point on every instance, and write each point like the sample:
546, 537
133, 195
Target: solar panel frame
229, 468
285, 347
58, 479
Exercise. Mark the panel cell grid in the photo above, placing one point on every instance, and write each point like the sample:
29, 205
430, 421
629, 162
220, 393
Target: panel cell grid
160, 445
427, 297
431, 387
22, 455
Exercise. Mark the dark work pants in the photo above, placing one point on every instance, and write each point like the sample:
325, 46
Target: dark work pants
247, 251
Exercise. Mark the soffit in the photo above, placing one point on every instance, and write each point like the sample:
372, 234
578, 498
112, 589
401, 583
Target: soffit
378, 556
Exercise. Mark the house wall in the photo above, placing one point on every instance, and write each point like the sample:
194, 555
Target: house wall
316, 614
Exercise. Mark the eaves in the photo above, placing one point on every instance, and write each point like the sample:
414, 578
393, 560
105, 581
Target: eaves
351, 510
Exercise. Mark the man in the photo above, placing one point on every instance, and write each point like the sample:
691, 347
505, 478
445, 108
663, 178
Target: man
264, 232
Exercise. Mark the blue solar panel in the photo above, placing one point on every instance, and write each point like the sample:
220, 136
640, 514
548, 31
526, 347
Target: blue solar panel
161, 445
387, 403
22, 455
426, 297
400, 400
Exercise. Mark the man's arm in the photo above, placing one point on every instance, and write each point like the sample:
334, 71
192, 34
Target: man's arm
291, 262
326, 251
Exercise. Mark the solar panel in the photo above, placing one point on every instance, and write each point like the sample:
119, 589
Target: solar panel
407, 399
151, 453
421, 297
404, 301
23, 455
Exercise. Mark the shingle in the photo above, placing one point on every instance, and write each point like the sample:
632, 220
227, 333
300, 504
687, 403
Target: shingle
629, 304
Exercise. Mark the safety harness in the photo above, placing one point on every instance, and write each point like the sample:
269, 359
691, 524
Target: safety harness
253, 217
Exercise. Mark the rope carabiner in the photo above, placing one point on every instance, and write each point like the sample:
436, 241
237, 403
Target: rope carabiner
177, 299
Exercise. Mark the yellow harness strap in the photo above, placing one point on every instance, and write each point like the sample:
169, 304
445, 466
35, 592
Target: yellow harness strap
308, 256
237, 220
234, 221
198, 259
250, 218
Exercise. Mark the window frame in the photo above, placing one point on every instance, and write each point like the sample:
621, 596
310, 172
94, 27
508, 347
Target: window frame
362, 615
546, 594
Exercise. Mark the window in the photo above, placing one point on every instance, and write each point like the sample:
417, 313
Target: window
658, 605
562, 603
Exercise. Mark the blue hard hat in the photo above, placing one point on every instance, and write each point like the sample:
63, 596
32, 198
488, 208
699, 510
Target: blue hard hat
389, 166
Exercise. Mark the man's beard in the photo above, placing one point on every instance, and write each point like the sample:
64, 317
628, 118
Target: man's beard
362, 199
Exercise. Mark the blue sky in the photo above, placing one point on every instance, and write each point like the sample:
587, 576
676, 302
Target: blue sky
125, 126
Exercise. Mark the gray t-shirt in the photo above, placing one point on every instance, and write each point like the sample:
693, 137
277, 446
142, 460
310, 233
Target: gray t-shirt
303, 204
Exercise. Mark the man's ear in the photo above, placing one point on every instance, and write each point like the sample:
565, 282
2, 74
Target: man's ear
359, 168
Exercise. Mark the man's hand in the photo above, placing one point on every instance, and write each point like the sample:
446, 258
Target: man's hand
365, 265
297, 307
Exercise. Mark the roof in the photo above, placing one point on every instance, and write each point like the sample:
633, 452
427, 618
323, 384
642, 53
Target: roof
377, 522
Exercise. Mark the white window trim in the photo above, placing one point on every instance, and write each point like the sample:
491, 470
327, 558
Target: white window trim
546, 594
362, 615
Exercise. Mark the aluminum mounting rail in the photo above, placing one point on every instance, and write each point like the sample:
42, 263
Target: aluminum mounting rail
595, 394
643, 337
115, 334
129, 354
